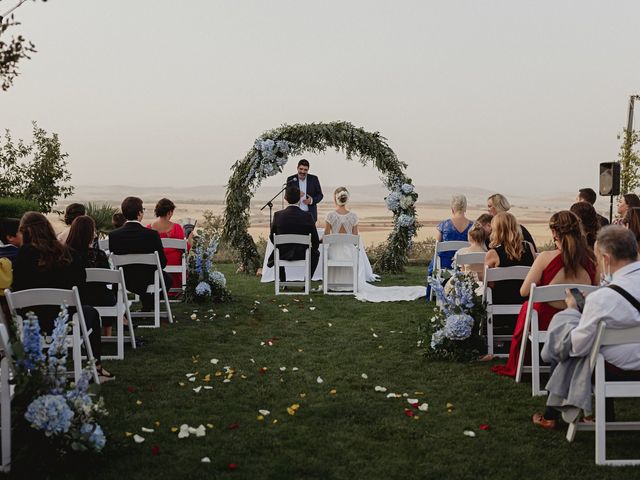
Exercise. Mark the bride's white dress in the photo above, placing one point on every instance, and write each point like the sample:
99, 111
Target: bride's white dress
345, 223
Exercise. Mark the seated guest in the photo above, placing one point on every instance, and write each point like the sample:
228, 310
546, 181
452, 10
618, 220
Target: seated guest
589, 220
508, 249
80, 239
631, 221
589, 196
499, 203
616, 252
44, 262
72, 211
133, 237
477, 237
572, 262
454, 228
167, 229
9, 237
117, 220
625, 202
292, 220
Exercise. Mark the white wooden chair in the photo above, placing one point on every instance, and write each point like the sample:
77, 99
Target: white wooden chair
472, 258
440, 247
340, 239
54, 296
498, 274
533, 334
119, 310
306, 263
157, 288
608, 389
6, 395
177, 244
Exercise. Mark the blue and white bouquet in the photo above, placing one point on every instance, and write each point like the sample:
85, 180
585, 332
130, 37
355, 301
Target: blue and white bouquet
204, 283
453, 332
66, 413
269, 158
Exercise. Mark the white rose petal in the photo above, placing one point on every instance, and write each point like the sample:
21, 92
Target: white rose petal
405, 395
284, 310
391, 395
138, 439
282, 369
233, 331
201, 431
192, 379
423, 407
205, 460
184, 431
252, 360
330, 324
147, 430
412, 400
214, 361
469, 433
227, 316
319, 380
197, 389
365, 376
375, 336
208, 387
190, 375
312, 308
264, 412
226, 380
380, 389
294, 369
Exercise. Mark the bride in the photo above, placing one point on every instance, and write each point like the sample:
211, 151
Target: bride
343, 221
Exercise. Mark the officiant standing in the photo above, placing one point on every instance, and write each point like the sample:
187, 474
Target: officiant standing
310, 190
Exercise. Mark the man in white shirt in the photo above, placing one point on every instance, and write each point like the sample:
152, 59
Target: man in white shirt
616, 252
310, 190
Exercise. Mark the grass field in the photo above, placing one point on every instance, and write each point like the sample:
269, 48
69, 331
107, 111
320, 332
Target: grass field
343, 428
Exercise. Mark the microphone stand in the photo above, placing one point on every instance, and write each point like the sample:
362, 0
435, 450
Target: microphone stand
270, 204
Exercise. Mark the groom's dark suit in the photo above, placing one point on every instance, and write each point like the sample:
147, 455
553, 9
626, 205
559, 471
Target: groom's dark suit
313, 190
294, 221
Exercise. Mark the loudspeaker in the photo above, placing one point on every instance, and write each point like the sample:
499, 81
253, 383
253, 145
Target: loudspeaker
609, 178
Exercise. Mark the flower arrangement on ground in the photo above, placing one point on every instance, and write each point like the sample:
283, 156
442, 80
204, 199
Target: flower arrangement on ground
53, 416
453, 333
204, 283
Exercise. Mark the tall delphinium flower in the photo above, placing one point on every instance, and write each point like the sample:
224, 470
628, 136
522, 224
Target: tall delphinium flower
32, 342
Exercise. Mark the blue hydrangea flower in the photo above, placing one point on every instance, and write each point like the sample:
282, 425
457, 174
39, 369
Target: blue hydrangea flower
405, 220
258, 144
458, 327
32, 342
283, 146
50, 413
95, 435
218, 278
393, 201
406, 201
268, 169
267, 146
406, 188
203, 289
436, 338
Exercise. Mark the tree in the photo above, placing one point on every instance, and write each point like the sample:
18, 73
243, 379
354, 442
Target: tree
629, 162
36, 171
14, 50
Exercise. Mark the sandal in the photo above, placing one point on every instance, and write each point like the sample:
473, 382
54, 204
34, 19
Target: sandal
104, 375
538, 419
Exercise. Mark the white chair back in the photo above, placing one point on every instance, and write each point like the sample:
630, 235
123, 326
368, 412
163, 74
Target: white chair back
56, 297
472, 258
120, 310
440, 247
6, 395
532, 332
103, 244
158, 288
279, 240
177, 244
352, 263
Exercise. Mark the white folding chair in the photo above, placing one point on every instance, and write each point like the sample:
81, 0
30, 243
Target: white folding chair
498, 274
119, 310
157, 288
533, 334
177, 244
440, 247
472, 258
103, 244
608, 389
6, 395
305, 240
328, 241
36, 297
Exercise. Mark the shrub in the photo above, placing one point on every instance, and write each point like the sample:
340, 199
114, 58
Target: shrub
16, 207
101, 214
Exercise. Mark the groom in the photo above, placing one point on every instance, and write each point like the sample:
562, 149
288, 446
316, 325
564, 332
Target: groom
309, 186
292, 220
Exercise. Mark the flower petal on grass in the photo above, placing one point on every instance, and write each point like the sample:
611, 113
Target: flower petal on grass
469, 433
284, 310
197, 389
423, 407
333, 391
365, 376
312, 308
319, 380
215, 362
205, 460
484, 426
184, 431
264, 412
147, 430
408, 412
378, 388
138, 439
155, 450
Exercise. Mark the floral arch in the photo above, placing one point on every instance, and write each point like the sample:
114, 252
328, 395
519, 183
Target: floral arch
268, 156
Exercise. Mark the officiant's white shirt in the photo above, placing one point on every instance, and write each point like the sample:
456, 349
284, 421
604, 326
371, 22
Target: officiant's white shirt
303, 188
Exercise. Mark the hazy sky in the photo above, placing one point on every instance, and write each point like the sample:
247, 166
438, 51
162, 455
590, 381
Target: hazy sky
514, 96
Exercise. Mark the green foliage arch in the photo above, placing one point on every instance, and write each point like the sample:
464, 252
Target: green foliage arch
369, 148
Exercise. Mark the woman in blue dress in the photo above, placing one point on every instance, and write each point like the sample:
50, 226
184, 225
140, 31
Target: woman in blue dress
454, 228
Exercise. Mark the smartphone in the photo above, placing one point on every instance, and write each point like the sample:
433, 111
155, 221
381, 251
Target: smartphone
577, 295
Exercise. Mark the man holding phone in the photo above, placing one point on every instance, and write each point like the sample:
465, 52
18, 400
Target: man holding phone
618, 304
310, 190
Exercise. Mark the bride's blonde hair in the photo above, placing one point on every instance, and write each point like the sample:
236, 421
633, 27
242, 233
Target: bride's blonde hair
341, 196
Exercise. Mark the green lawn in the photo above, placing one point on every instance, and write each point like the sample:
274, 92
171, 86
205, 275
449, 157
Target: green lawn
355, 432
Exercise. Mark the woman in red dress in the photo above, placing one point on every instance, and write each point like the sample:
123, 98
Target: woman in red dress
572, 262
167, 229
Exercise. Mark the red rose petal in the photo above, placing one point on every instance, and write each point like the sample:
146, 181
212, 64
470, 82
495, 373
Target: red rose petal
131, 389
484, 426
415, 405
232, 466
155, 450
233, 426
408, 413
